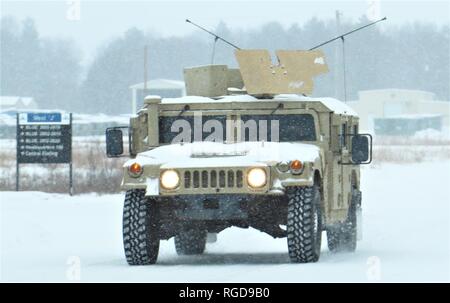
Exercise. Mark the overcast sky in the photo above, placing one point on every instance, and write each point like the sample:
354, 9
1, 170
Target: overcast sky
92, 23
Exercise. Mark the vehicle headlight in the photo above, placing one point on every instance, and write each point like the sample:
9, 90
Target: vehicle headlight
170, 179
256, 177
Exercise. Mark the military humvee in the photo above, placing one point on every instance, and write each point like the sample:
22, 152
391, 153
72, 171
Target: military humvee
245, 148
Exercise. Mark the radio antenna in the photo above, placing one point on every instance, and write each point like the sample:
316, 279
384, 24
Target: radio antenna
216, 37
341, 37
348, 33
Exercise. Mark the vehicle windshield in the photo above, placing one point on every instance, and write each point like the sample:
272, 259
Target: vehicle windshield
282, 128
278, 128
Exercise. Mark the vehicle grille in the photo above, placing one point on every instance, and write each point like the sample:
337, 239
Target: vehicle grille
226, 178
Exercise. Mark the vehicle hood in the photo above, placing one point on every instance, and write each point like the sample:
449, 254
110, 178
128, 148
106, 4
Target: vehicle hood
213, 154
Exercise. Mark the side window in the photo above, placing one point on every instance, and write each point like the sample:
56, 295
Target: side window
355, 129
343, 135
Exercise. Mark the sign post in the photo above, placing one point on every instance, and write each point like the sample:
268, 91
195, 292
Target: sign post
44, 138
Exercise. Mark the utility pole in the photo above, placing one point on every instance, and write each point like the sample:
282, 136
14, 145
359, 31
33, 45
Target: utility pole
338, 61
135, 96
145, 69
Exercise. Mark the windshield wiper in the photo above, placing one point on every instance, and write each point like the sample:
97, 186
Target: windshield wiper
280, 106
185, 108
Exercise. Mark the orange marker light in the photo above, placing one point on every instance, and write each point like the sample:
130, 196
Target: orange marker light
135, 169
296, 165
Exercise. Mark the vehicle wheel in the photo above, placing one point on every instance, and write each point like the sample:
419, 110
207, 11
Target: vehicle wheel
304, 224
140, 228
190, 242
344, 236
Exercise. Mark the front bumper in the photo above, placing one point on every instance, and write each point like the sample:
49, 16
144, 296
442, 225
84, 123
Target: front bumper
226, 207
211, 207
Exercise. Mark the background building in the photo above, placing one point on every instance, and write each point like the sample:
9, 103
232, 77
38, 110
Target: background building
162, 87
400, 111
17, 103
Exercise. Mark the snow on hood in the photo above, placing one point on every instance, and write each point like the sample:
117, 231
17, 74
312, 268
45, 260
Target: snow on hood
213, 154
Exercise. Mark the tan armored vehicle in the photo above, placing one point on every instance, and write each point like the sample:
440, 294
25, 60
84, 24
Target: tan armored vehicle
245, 148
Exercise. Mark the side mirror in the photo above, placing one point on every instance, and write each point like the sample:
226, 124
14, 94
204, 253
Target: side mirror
362, 149
114, 142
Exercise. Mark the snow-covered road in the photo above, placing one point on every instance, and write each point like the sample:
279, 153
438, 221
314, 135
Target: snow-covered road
406, 238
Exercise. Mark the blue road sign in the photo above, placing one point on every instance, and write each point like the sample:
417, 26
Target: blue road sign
44, 117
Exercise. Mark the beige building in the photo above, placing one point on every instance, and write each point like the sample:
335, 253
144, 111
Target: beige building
384, 103
17, 103
164, 88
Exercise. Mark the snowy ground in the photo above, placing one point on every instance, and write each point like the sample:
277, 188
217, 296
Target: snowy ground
406, 238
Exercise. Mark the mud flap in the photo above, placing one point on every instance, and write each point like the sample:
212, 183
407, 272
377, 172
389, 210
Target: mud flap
152, 187
211, 238
359, 231
359, 223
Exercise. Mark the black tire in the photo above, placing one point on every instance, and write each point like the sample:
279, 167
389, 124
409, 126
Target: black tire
304, 224
140, 228
191, 241
343, 237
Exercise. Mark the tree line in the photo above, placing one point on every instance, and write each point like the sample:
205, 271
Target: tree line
411, 56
